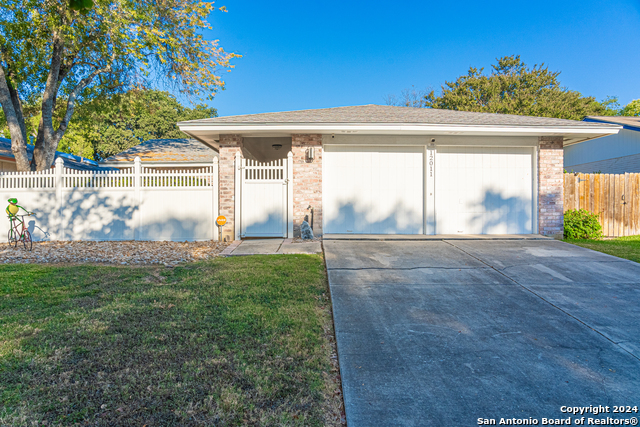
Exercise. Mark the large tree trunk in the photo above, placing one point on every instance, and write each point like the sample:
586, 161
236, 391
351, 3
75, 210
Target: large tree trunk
13, 113
39, 160
45, 136
51, 145
48, 139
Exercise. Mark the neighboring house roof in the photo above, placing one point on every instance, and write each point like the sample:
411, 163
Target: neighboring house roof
70, 161
166, 151
631, 123
390, 114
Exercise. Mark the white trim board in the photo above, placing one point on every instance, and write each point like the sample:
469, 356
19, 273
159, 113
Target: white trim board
398, 129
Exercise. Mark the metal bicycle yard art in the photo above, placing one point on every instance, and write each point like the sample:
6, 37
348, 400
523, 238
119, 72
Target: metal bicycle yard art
17, 231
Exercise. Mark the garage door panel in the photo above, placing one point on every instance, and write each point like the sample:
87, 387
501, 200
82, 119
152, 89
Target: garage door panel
379, 190
484, 190
373, 190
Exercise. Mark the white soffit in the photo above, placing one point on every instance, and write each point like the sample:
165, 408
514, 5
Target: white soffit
577, 134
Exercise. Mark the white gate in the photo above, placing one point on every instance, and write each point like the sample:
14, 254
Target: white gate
265, 198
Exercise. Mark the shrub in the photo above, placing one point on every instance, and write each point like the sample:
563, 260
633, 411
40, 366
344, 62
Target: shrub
581, 224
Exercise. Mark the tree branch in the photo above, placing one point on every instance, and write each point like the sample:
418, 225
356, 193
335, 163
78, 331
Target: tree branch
71, 104
72, 100
50, 91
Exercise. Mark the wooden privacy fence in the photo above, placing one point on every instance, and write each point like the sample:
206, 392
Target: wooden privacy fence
615, 198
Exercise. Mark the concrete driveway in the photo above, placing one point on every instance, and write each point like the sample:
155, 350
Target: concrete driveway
443, 333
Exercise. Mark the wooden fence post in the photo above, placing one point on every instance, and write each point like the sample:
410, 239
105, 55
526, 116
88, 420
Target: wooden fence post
626, 204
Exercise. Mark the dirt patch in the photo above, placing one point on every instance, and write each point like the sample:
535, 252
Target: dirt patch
125, 252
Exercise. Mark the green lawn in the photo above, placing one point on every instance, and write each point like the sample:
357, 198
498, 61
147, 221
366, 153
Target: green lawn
233, 341
623, 247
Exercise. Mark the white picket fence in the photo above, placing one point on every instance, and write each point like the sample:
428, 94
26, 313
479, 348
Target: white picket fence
136, 203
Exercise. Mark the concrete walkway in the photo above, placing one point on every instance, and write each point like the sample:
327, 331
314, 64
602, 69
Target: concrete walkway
273, 247
442, 333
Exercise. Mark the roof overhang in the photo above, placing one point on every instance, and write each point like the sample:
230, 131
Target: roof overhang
209, 133
628, 126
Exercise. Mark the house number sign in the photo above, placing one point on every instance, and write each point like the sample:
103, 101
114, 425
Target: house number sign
221, 220
431, 161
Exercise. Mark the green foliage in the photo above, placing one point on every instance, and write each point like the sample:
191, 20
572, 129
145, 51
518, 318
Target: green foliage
631, 109
581, 224
31, 111
74, 142
68, 53
81, 5
511, 88
110, 125
126, 41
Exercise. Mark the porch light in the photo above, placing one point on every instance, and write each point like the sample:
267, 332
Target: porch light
310, 154
276, 146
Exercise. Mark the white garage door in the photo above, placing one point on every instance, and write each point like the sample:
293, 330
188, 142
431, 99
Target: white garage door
372, 190
484, 190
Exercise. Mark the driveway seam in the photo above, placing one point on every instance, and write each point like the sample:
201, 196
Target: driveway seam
464, 268
548, 302
408, 268
555, 263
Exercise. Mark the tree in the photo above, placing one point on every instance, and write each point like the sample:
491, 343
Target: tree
110, 125
631, 109
59, 55
512, 88
409, 98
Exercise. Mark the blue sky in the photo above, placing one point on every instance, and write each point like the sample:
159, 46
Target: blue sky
312, 54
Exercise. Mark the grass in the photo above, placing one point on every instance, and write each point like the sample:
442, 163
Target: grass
235, 341
623, 247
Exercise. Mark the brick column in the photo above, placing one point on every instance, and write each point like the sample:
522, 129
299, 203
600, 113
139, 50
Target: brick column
229, 146
550, 186
307, 181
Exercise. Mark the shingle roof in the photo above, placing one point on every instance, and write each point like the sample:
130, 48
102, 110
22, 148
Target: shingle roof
167, 150
70, 161
390, 114
618, 120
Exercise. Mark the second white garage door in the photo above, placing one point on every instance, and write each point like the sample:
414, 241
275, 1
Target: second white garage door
484, 190
373, 190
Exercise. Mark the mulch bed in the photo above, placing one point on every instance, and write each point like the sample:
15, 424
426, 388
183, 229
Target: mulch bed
121, 252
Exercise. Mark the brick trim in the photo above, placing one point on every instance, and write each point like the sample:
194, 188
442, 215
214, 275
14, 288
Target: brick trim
307, 181
229, 146
550, 186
